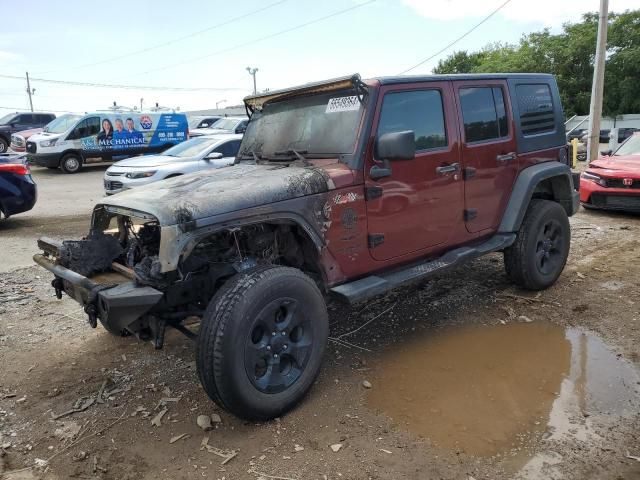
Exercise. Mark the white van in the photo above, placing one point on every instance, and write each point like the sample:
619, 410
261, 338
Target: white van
69, 140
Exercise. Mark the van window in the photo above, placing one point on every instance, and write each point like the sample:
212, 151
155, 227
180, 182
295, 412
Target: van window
536, 109
420, 111
86, 128
484, 114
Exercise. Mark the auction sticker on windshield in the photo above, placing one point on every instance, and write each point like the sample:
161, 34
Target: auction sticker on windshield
343, 104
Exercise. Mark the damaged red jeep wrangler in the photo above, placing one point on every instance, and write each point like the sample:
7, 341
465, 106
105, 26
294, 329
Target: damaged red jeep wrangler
344, 188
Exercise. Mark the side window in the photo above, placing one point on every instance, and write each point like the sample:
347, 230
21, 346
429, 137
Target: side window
86, 128
93, 126
536, 109
421, 111
43, 119
242, 126
484, 114
25, 119
228, 149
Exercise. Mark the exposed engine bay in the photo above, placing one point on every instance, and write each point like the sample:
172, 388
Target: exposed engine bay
129, 247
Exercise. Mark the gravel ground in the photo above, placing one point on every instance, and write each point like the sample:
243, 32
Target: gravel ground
53, 362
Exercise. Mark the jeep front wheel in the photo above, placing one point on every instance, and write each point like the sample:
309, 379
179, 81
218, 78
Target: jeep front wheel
261, 342
539, 254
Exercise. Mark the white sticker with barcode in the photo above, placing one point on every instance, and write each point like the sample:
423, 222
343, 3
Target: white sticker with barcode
343, 104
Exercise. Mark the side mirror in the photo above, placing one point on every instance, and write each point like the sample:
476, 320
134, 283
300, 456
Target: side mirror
214, 156
606, 153
203, 125
396, 146
241, 129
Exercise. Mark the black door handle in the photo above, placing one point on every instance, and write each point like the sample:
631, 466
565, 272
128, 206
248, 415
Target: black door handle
507, 157
447, 169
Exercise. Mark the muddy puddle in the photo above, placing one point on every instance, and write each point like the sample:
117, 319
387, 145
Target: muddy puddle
484, 390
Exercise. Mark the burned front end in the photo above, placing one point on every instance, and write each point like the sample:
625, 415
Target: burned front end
136, 276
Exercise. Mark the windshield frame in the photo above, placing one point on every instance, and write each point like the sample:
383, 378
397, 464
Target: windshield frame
633, 139
62, 118
362, 126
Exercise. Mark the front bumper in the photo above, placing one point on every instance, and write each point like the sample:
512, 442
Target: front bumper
609, 198
118, 306
44, 159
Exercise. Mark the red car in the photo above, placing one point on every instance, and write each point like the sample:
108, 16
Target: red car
613, 182
19, 139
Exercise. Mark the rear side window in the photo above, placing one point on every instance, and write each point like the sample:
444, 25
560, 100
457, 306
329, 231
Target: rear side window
484, 114
44, 119
536, 109
420, 111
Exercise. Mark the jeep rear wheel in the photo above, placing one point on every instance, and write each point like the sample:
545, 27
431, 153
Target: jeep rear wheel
539, 254
261, 342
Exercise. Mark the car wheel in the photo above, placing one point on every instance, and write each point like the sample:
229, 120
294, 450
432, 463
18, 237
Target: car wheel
71, 163
539, 254
261, 342
3, 145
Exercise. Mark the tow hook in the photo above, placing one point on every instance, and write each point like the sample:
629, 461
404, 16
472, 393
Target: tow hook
92, 315
56, 283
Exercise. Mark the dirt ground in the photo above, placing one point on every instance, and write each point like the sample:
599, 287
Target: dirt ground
52, 362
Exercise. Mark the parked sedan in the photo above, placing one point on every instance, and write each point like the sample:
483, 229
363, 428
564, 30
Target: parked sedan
212, 151
224, 125
18, 192
613, 182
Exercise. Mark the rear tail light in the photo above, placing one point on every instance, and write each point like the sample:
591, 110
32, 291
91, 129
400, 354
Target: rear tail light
16, 168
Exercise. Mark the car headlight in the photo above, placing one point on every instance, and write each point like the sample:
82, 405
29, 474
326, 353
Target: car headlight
134, 175
594, 178
49, 143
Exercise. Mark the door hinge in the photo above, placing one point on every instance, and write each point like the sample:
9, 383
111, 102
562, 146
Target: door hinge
375, 239
470, 214
468, 172
372, 192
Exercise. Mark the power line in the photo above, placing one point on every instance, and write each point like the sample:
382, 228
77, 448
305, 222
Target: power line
457, 39
22, 109
257, 40
175, 40
130, 87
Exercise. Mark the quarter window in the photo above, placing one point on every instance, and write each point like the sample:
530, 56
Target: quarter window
536, 109
484, 114
420, 111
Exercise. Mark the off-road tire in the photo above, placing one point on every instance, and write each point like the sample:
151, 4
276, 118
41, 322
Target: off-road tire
523, 259
71, 163
228, 331
4, 146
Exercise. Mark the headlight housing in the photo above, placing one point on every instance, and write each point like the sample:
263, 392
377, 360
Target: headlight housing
134, 175
49, 143
594, 178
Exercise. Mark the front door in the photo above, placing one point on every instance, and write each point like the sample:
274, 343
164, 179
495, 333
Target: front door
488, 151
418, 205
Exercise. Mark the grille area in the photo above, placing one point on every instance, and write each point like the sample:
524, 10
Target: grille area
31, 147
616, 202
111, 185
618, 183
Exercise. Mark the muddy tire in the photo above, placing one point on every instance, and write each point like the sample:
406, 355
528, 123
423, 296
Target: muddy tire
71, 163
261, 342
539, 254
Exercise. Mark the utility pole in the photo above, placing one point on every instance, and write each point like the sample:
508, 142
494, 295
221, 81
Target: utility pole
30, 92
597, 89
252, 72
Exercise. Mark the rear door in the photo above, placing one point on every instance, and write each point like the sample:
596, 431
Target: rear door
418, 205
24, 121
488, 151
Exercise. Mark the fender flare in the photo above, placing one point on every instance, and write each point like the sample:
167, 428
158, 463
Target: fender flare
525, 185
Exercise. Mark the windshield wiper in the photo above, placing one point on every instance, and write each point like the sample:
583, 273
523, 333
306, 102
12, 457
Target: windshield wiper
298, 153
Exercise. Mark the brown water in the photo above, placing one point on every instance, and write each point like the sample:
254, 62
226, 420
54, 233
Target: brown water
486, 389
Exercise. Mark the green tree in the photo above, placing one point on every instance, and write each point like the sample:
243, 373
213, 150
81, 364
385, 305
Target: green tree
569, 55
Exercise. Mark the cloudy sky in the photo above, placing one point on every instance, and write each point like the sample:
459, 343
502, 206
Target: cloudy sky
208, 45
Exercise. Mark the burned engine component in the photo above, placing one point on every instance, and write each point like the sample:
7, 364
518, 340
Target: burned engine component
91, 255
